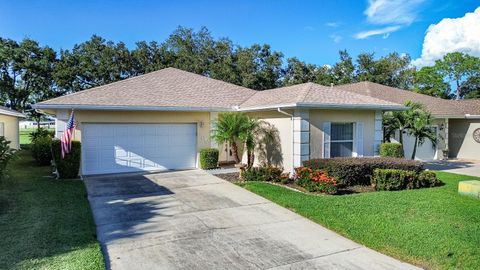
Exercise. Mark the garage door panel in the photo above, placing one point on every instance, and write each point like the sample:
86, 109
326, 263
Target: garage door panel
110, 148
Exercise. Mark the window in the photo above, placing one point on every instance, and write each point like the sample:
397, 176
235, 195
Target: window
341, 140
2, 129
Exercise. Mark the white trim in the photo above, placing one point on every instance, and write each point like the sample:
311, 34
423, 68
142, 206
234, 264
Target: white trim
129, 108
207, 109
12, 113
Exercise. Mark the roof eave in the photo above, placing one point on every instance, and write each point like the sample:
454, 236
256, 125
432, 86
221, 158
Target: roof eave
128, 108
16, 114
327, 106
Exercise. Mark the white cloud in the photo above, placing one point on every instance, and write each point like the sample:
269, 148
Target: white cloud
375, 32
384, 12
451, 35
336, 38
333, 24
309, 28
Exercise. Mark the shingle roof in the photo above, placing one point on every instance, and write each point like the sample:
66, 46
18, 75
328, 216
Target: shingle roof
314, 94
8, 111
437, 106
169, 87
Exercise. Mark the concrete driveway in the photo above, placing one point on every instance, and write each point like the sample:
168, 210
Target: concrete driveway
466, 167
194, 220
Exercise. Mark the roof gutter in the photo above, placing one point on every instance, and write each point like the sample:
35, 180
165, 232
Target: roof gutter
128, 108
472, 116
328, 106
9, 113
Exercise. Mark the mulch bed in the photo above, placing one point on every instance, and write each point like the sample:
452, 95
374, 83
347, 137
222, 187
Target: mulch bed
230, 177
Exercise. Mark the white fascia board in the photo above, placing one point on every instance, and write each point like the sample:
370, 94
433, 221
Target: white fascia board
472, 116
264, 108
353, 106
12, 113
328, 106
128, 108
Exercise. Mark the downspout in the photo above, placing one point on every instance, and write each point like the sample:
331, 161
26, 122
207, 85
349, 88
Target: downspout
293, 134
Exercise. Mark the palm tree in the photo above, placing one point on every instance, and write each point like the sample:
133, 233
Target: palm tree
399, 120
229, 128
248, 135
420, 127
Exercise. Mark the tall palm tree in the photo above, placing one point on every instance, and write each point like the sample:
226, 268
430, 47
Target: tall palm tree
248, 135
420, 127
229, 128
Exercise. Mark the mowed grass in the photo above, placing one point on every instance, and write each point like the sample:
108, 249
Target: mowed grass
25, 135
434, 228
45, 223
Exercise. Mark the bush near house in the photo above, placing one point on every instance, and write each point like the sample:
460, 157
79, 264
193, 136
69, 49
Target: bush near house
265, 173
315, 180
209, 158
68, 167
6, 154
359, 171
42, 150
391, 150
393, 179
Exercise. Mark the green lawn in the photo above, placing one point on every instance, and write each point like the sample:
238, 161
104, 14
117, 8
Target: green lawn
45, 223
433, 228
25, 135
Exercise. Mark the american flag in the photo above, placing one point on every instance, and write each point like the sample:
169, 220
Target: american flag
66, 139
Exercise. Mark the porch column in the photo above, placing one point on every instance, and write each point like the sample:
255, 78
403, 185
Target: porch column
378, 133
446, 147
301, 136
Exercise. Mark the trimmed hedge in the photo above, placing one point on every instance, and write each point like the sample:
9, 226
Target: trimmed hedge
69, 166
359, 171
391, 150
265, 173
392, 179
209, 158
42, 150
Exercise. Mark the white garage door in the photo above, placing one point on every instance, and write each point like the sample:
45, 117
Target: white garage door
113, 148
425, 151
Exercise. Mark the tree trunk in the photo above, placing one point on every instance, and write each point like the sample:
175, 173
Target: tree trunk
250, 158
235, 152
400, 140
415, 148
458, 90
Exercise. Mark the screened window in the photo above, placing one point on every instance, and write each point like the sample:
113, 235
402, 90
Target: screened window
341, 140
2, 129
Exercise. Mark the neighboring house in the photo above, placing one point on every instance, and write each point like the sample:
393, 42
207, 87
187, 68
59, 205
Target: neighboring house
457, 121
28, 124
161, 120
9, 126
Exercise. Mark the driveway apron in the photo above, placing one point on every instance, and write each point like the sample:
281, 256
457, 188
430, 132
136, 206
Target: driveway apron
194, 220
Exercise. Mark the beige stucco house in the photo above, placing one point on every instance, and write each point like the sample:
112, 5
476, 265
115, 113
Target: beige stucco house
160, 121
457, 121
9, 126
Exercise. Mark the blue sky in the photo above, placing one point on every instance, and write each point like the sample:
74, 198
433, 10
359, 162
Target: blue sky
313, 31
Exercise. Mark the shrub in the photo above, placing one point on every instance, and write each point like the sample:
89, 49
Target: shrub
359, 171
391, 150
40, 133
208, 158
315, 180
69, 166
264, 173
42, 150
391, 179
6, 154
427, 179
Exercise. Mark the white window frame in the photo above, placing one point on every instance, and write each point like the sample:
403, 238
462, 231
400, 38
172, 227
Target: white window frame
353, 140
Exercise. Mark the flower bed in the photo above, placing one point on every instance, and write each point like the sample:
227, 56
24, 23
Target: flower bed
315, 180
